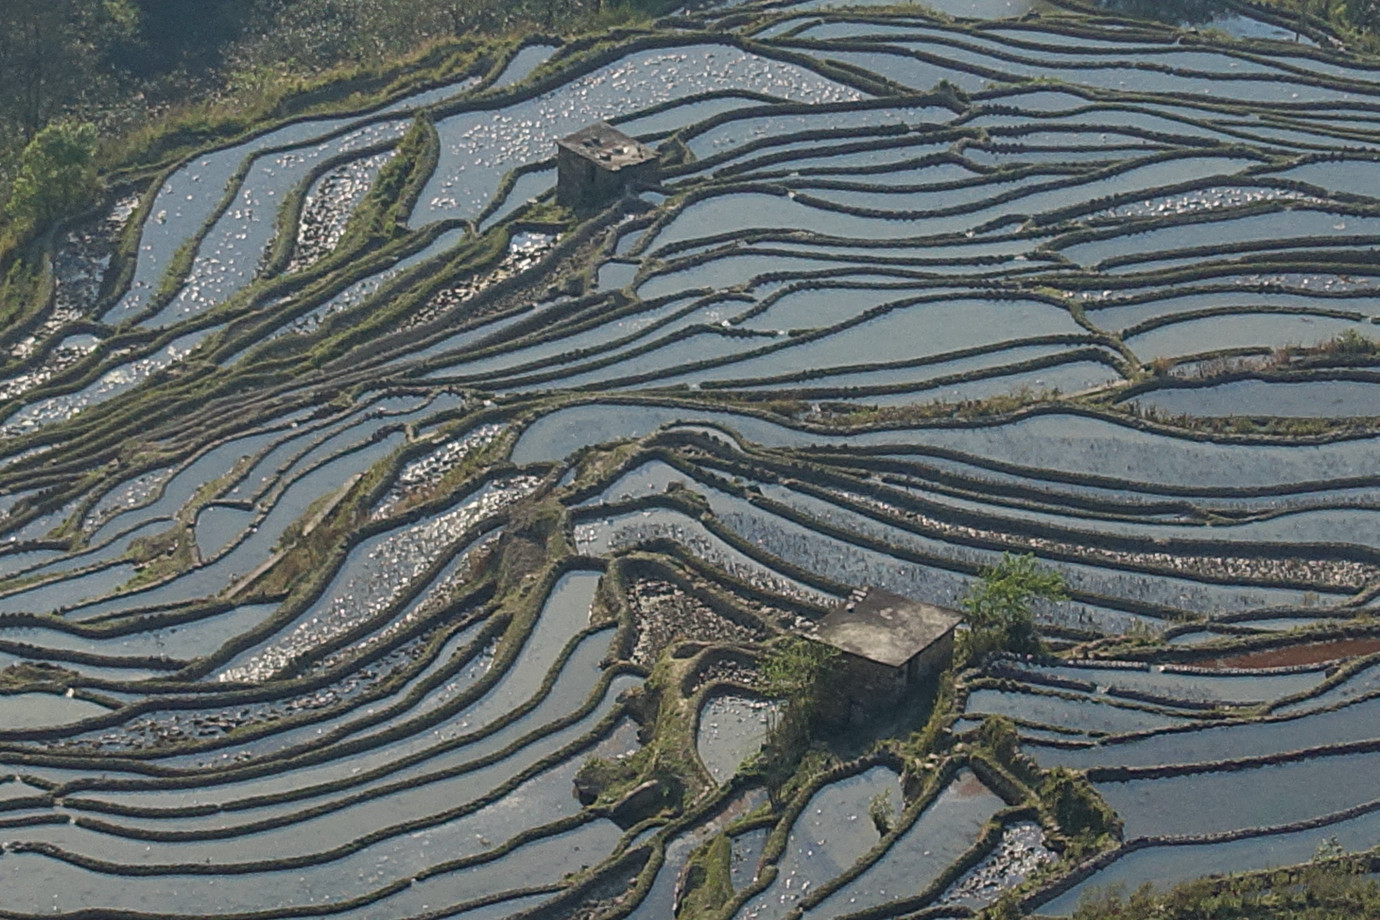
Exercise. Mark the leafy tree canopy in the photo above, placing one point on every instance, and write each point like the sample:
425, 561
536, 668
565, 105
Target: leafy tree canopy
795, 670
56, 174
1364, 14
999, 606
1192, 12
799, 672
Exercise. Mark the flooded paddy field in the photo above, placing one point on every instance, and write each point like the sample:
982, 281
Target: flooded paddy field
381, 539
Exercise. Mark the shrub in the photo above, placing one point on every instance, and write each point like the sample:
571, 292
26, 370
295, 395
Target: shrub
1350, 343
881, 811
708, 880
1076, 806
1319, 891
998, 734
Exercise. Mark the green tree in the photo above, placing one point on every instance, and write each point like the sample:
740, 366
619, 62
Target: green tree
795, 670
998, 607
36, 60
1190, 12
153, 38
799, 673
51, 53
1364, 14
57, 174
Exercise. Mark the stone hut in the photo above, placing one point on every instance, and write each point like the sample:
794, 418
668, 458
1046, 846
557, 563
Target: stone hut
597, 164
889, 643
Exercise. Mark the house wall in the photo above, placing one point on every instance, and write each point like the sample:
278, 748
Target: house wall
866, 686
643, 174
938, 657
580, 182
575, 178
869, 684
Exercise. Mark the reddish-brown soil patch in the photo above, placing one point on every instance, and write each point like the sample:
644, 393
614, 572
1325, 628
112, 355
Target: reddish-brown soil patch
969, 785
1309, 653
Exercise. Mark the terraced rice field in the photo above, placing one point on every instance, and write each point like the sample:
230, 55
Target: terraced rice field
355, 496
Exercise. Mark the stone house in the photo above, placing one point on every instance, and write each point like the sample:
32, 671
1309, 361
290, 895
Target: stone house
599, 163
889, 643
